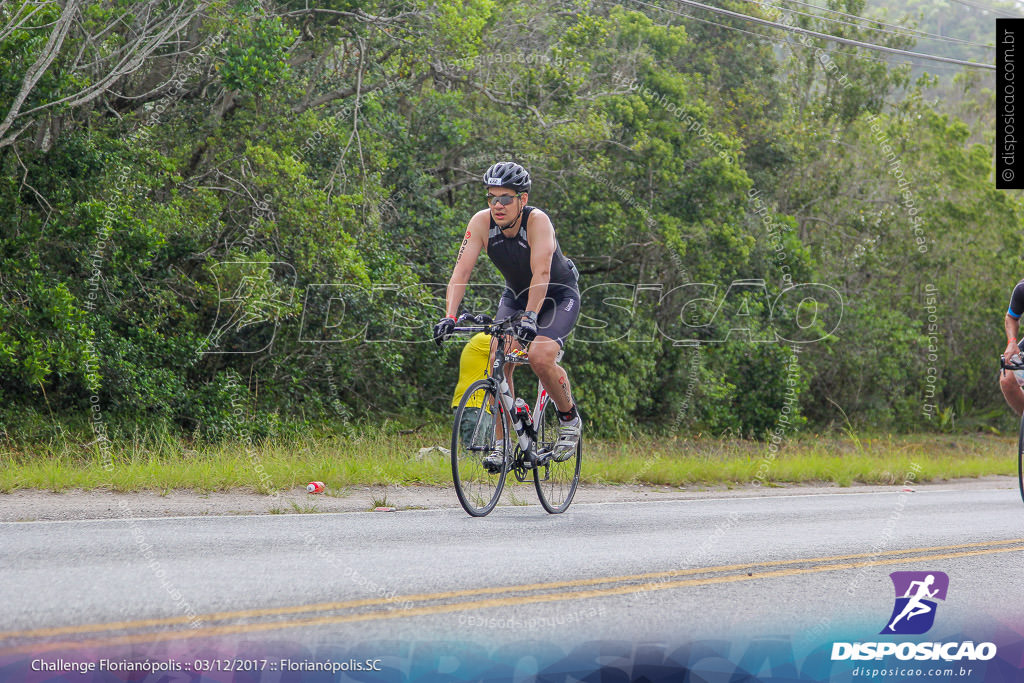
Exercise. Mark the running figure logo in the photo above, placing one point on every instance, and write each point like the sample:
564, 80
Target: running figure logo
914, 611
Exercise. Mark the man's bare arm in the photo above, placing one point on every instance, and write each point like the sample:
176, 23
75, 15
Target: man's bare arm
541, 236
469, 252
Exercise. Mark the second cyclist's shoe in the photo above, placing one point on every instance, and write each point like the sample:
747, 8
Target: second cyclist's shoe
495, 460
568, 438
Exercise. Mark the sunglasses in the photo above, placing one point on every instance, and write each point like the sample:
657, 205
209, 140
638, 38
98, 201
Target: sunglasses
503, 199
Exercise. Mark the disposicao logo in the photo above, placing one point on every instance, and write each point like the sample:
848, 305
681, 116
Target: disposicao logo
913, 614
916, 592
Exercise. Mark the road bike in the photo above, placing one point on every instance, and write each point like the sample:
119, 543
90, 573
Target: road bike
531, 452
1015, 366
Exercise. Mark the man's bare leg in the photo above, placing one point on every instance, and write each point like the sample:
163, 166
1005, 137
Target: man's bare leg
543, 352
1012, 391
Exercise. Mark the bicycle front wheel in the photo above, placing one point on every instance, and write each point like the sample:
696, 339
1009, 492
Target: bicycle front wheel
1020, 459
555, 481
478, 488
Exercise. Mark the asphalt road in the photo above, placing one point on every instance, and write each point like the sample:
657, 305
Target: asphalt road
812, 567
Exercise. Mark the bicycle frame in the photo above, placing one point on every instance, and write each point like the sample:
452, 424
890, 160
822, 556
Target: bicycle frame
542, 398
526, 439
542, 394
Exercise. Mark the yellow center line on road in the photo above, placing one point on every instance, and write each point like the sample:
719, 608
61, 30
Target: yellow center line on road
230, 629
423, 597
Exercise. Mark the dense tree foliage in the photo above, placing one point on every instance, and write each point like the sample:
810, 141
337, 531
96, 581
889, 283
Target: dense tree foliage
225, 215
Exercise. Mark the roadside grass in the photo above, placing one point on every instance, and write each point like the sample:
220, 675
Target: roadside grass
387, 456
835, 459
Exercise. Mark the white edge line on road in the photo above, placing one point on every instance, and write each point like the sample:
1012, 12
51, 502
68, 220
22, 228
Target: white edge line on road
449, 509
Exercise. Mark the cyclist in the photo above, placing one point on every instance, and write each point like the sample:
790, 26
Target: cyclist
1011, 382
539, 279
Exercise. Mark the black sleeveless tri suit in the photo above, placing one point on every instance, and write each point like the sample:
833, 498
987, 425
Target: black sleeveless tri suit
511, 255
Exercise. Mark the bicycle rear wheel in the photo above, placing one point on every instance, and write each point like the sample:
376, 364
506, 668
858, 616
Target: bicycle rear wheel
472, 438
1020, 459
555, 481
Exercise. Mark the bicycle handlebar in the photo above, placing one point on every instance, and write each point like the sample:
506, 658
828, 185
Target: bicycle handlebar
475, 318
484, 323
1003, 365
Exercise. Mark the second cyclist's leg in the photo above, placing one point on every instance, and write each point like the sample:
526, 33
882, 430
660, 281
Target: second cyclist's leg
1012, 391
